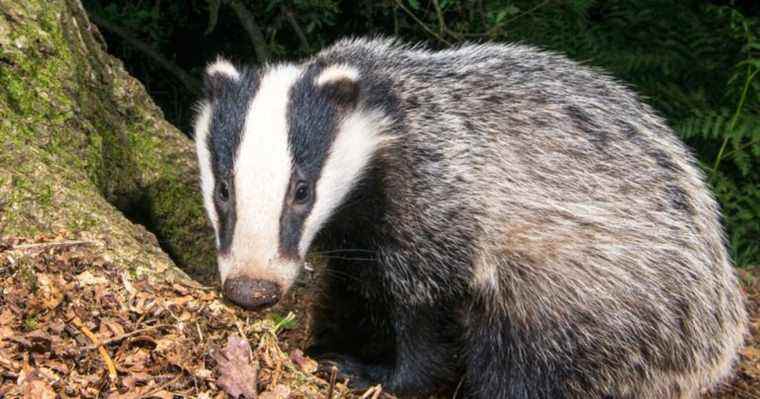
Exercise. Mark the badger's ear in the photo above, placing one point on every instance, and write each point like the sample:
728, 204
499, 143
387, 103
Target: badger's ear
219, 74
341, 85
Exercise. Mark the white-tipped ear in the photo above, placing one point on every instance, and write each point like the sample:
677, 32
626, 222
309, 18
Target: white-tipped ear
223, 67
219, 75
340, 83
337, 73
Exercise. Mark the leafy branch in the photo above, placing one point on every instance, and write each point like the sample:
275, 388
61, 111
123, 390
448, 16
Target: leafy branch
247, 21
191, 84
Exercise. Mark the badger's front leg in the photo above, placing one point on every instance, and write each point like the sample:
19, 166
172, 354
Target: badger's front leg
423, 358
426, 347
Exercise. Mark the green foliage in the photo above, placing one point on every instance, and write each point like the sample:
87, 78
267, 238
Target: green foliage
697, 63
281, 322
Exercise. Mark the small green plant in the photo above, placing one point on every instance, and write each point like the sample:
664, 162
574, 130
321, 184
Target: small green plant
287, 322
27, 273
30, 323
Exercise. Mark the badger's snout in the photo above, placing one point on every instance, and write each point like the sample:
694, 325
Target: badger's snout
251, 293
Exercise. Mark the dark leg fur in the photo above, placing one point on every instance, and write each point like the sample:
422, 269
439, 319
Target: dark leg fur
509, 361
346, 322
363, 328
373, 338
496, 369
408, 351
426, 359
421, 362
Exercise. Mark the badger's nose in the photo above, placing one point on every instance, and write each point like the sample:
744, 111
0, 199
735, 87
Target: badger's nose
250, 293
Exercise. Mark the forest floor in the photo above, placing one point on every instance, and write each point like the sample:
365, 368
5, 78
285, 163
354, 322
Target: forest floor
74, 325
746, 384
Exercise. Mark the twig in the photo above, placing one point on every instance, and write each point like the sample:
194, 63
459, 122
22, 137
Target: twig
43, 245
333, 377
253, 29
122, 336
735, 118
459, 386
103, 352
499, 26
190, 83
482, 12
422, 24
9, 374
296, 28
160, 387
741, 147
395, 22
443, 28
374, 391
200, 334
439, 13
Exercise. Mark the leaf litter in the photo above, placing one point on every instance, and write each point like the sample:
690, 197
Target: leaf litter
74, 325
237, 373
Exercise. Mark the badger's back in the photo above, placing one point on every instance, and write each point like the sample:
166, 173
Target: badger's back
580, 218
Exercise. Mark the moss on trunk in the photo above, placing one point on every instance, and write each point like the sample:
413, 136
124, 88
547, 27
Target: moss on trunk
83, 147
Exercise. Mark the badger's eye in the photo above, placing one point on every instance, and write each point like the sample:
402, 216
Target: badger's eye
302, 193
224, 191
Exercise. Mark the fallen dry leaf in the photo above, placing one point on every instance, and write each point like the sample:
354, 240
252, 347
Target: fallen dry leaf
307, 365
87, 278
149, 391
279, 392
237, 374
49, 294
133, 379
34, 386
38, 389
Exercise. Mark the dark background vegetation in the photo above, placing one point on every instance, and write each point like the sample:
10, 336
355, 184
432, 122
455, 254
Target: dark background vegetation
697, 62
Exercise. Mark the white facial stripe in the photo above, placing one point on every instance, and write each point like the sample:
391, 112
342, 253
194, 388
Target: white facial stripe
262, 172
202, 128
223, 67
337, 72
361, 134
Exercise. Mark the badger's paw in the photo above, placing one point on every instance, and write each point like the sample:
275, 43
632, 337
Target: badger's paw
356, 374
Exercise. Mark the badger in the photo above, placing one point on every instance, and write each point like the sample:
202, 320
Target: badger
495, 219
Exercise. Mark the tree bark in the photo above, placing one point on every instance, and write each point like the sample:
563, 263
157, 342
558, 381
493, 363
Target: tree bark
96, 192
86, 154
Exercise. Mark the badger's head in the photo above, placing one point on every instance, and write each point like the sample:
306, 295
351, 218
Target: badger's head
279, 150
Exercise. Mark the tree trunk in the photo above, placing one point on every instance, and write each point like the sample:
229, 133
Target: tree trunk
99, 206
86, 154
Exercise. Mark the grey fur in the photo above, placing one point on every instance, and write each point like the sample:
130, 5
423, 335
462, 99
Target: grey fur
571, 228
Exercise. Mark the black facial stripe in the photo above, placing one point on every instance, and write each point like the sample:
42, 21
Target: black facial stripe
312, 123
293, 217
227, 216
229, 110
313, 120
